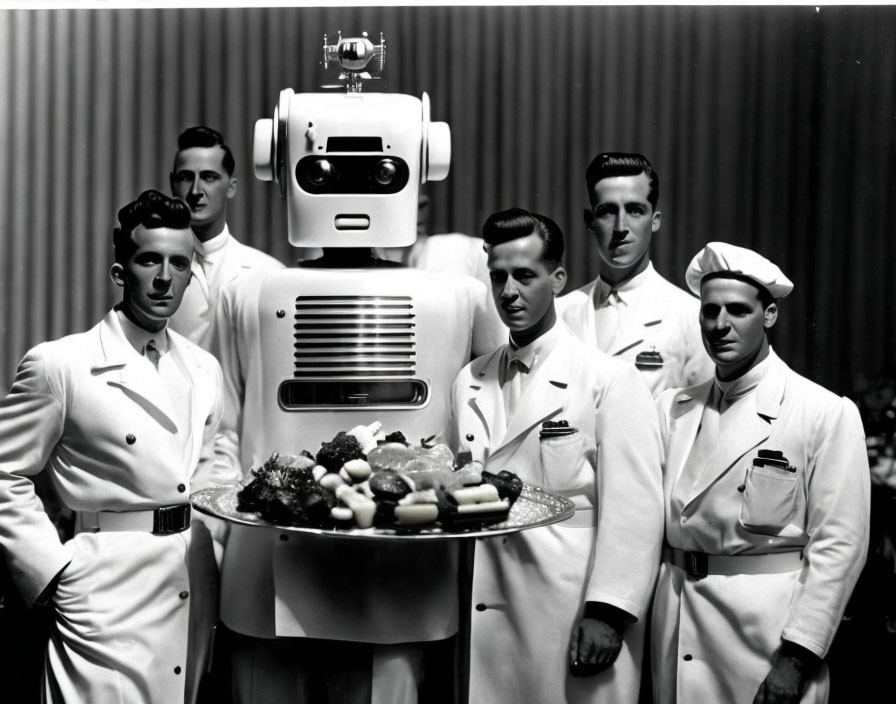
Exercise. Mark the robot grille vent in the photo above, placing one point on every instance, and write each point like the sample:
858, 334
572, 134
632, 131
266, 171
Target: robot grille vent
354, 337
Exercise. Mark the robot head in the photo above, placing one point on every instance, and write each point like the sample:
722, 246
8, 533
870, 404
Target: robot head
350, 164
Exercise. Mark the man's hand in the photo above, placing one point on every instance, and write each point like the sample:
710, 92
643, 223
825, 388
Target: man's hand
791, 669
594, 647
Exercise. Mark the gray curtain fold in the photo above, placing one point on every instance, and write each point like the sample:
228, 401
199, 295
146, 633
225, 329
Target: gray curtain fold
771, 127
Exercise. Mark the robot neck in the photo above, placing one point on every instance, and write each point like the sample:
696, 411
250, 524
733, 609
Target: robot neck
346, 258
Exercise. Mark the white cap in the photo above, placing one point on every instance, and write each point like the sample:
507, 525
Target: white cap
719, 257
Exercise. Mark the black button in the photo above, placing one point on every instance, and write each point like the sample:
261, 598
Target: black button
742, 488
688, 658
284, 536
181, 488
177, 670
130, 439
470, 437
481, 607
184, 595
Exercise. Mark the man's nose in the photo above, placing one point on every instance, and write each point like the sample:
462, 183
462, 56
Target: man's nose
621, 222
196, 186
510, 289
162, 279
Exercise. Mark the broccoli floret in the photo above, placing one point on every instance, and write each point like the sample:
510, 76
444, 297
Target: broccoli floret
338, 451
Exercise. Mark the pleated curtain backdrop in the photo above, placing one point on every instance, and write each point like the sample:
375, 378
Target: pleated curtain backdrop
770, 127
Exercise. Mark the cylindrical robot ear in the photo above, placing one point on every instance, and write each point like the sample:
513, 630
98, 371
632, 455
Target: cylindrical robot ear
281, 141
438, 159
263, 149
435, 157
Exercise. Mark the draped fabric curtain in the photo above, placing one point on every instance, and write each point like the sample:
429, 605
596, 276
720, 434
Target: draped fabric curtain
770, 127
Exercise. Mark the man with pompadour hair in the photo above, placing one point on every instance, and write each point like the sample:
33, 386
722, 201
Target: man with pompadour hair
630, 311
123, 419
202, 177
558, 611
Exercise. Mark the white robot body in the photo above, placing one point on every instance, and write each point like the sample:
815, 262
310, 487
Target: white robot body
342, 347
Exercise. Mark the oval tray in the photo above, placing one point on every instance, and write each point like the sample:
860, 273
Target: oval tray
535, 507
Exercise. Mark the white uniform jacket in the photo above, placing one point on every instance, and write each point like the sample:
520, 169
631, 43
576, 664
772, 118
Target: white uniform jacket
663, 318
195, 316
714, 638
529, 589
90, 410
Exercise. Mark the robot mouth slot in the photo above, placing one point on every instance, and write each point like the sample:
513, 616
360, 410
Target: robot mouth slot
312, 395
351, 222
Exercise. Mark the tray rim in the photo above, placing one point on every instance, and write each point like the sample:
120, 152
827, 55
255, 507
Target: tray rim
531, 492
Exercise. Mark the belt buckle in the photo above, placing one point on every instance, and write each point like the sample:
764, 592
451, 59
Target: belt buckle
168, 520
696, 564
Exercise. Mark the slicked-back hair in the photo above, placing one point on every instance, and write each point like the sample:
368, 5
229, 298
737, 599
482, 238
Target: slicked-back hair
611, 164
152, 209
202, 136
515, 223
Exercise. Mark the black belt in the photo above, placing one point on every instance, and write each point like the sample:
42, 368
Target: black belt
700, 564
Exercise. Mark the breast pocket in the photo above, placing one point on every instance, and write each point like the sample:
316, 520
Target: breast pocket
769, 499
561, 459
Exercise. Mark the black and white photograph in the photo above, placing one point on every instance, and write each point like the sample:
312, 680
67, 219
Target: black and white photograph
458, 353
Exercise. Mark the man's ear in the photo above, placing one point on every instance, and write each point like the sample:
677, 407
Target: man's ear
770, 315
117, 273
231, 188
558, 280
655, 221
589, 218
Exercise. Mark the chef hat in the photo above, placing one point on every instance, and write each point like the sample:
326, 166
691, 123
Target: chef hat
721, 257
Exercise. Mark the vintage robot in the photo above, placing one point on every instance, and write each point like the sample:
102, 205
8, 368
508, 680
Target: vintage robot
349, 341
343, 341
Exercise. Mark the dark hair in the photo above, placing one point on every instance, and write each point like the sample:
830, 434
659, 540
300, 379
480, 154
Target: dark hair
765, 296
514, 223
202, 136
151, 209
610, 164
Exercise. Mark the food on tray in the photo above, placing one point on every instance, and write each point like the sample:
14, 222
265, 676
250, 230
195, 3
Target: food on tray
364, 477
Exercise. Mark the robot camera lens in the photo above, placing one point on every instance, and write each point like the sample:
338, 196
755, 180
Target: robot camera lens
384, 172
320, 173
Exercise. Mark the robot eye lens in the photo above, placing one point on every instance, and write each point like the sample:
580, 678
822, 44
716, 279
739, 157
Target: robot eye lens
384, 172
320, 172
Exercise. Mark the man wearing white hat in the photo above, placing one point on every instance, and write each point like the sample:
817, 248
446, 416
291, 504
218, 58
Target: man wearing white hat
766, 487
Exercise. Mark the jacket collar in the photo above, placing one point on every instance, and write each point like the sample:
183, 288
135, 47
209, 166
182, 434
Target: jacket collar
544, 397
748, 426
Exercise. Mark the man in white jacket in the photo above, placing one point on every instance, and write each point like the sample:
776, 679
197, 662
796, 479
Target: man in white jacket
630, 311
766, 486
203, 178
123, 419
558, 611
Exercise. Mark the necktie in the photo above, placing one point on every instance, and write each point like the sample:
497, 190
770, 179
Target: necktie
152, 353
607, 323
515, 371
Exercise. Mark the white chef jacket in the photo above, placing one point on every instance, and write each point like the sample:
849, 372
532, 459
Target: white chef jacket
530, 588
714, 638
654, 316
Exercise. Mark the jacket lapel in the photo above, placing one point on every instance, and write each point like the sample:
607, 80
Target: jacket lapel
748, 426
487, 402
544, 397
130, 372
685, 415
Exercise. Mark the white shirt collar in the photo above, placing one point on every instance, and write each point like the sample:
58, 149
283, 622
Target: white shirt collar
138, 337
623, 291
208, 248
